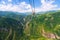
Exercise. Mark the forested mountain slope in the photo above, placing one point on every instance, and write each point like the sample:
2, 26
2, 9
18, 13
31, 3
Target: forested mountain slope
15, 26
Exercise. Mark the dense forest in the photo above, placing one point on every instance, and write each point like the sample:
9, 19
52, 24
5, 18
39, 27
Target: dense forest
20, 26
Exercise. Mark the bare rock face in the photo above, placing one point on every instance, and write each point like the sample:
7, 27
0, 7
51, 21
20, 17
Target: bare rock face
48, 35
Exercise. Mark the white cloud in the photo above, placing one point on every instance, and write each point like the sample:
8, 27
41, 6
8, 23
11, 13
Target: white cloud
9, 0
47, 6
3, 2
22, 7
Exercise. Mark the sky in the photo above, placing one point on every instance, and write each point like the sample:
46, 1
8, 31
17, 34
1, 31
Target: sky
27, 6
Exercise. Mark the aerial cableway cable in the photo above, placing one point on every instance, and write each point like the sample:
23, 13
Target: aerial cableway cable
29, 19
34, 7
32, 2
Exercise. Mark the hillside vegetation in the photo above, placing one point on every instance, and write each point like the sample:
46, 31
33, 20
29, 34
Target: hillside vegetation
15, 26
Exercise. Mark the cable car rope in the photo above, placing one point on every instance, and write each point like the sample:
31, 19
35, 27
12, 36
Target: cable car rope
32, 3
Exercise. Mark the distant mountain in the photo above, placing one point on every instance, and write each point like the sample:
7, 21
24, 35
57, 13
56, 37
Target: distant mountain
10, 12
47, 11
